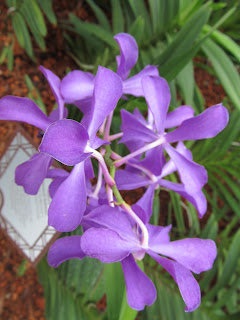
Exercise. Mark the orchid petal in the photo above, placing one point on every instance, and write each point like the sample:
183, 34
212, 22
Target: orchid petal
192, 175
107, 91
54, 115
31, 173
126, 180
133, 85
154, 160
140, 289
69, 202
128, 54
54, 83
198, 199
65, 140
195, 254
106, 245
170, 166
77, 85
206, 125
187, 284
157, 95
133, 129
23, 110
89, 173
84, 105
146, 201
64, 249
158, 235
111, 218
177, 116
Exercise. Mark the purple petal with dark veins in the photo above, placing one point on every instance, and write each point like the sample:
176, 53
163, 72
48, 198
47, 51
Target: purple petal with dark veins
192, 175
198, 199
128, 54
133, 129
187, 284
64, 249
206, 125
106, 245
107, 91
133, 85
65, 140
23, 110
177, 116
195, 254
140, 289
31, 173
157, 95
111, 218
77, 85
54, 83
69, 202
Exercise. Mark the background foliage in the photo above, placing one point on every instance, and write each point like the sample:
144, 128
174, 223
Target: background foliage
170, 34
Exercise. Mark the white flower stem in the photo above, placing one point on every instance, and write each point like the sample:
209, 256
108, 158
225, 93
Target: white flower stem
147, 147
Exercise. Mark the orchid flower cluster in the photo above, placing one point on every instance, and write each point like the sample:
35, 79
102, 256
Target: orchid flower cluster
113, 230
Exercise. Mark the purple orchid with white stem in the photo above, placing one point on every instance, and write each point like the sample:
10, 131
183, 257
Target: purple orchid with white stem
206, 125
31, 173
77, 86
72, 143
114, 231
137, 175
111, 236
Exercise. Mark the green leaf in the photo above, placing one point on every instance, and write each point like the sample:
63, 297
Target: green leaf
229, 267
139, 9
184, 38
37, 17
225, 41
117, 16
27, 13
224, 69
114, 287
126, 313
46, 6
186, 82
101, 17
137, 28
3, 54
10, 58
86, 28
22, 34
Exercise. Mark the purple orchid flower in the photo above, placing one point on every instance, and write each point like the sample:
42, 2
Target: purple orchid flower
31, 173
77, 87
137, 174
206, 125
72, 143
114, 237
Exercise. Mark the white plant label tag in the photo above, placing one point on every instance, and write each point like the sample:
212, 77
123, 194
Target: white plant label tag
24, 217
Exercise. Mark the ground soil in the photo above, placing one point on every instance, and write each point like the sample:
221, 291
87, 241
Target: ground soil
21, 297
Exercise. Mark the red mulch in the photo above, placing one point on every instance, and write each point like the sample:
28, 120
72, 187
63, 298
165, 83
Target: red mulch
21, 297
